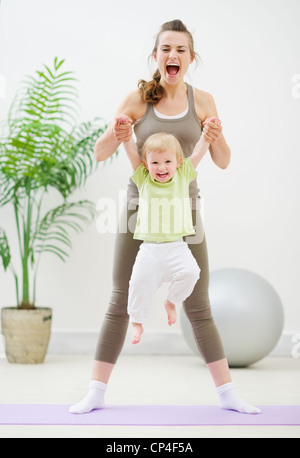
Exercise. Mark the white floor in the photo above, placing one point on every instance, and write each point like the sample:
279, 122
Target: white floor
148, 380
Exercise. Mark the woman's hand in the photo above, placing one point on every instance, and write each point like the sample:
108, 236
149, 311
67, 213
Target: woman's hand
212, 129
122, 128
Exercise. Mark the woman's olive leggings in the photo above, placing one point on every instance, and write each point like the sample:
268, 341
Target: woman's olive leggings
197, 306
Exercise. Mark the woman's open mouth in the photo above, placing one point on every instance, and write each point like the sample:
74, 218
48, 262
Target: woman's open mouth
172, 69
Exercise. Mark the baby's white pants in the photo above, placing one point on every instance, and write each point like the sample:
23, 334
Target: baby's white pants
157, 263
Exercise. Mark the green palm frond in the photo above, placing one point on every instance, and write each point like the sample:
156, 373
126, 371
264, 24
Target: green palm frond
53, 232
85, 136
47, 97
43, 147
4, 249
40, 150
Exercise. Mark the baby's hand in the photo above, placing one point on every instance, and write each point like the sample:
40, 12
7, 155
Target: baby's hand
212, 129
121, 120
123, 128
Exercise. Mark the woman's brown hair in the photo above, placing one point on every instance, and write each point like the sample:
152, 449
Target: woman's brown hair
152, 91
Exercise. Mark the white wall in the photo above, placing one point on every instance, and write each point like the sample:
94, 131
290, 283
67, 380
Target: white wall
250, 62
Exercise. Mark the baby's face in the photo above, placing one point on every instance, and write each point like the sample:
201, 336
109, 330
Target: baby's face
162, 166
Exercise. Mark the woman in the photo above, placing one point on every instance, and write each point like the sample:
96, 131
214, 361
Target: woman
165, 104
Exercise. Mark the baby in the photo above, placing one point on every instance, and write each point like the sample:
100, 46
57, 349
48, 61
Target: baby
162, 176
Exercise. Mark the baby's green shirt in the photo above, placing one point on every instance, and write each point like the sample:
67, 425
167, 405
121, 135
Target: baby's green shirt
164, 213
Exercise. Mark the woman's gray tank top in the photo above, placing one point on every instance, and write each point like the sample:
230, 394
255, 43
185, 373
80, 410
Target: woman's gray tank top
186, 129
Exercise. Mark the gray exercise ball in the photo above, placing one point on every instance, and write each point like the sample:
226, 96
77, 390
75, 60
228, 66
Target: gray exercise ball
248, 314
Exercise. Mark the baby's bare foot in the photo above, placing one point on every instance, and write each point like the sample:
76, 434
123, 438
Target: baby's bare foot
137, 333
171, 311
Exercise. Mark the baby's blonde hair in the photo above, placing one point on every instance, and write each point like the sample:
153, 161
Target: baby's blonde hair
160, 143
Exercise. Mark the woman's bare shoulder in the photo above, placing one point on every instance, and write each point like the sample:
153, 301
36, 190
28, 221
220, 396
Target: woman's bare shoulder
204, 104
133, 105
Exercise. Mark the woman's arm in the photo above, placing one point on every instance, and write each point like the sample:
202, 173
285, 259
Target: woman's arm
212, 128
219, 150
115, 134
107, 144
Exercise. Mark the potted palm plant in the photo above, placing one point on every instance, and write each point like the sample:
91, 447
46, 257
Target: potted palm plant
42, 148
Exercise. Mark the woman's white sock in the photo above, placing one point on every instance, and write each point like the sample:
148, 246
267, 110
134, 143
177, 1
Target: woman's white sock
93, 400
229, 400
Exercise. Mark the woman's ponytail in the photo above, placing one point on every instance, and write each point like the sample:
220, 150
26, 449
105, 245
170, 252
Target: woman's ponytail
151, 91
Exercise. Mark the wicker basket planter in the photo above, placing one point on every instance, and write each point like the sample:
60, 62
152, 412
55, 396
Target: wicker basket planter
26, 333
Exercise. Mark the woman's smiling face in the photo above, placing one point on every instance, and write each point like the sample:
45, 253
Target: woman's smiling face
173, 56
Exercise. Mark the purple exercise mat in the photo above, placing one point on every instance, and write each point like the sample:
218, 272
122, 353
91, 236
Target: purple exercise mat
151, 415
